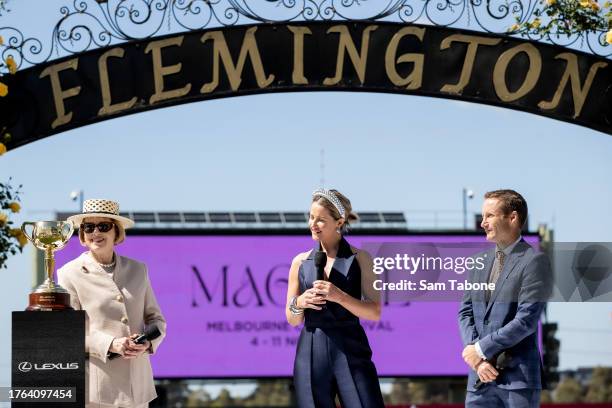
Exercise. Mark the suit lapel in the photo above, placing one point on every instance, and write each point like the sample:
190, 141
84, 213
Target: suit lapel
342, 265
344, 259
90, 266
118, 272
309, 268
516, 254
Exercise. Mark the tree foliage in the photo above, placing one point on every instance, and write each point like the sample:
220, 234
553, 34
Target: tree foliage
568, 17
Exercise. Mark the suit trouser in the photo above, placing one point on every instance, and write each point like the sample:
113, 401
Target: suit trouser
491, 396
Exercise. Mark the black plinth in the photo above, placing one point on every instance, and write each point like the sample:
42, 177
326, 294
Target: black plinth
48, 351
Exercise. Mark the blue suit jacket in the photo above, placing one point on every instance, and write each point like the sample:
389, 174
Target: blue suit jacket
509, 321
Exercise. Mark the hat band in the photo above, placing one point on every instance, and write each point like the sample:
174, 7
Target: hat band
100, 212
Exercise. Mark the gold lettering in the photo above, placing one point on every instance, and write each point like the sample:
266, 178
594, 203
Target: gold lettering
108, 108
234, 71
415, 78
58, 94
346, 45
473, 42
298, 77
160, 71
533, 74
579, 93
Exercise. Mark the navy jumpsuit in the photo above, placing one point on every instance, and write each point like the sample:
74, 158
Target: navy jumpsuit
333, 354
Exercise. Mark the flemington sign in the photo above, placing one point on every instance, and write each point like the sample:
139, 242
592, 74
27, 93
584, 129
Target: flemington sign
342, 56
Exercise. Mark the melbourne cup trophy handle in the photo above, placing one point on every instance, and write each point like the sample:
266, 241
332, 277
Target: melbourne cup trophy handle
23, 229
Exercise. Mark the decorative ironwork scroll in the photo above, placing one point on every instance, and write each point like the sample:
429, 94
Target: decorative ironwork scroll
88, 24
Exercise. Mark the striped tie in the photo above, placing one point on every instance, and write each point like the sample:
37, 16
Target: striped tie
498, 266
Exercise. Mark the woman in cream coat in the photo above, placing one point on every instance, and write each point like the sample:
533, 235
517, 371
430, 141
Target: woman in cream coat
116, 294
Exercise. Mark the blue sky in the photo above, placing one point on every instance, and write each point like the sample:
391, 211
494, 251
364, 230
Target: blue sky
386, 152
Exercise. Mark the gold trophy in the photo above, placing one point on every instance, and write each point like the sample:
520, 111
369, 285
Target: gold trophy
49, 236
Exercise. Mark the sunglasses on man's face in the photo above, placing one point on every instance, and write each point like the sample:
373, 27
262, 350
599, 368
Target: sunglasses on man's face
89, 227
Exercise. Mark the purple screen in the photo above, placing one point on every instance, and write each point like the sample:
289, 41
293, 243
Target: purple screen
224, 296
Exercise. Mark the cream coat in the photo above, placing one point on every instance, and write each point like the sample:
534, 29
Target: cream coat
116, 306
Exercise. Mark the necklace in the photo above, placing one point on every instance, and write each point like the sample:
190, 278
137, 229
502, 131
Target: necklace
108, 265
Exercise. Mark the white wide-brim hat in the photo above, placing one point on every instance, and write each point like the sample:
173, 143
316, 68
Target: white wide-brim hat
100, 208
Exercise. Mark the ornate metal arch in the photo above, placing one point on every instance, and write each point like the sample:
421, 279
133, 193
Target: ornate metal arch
89, 24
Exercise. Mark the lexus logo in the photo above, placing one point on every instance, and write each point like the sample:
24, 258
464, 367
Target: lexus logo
26, 366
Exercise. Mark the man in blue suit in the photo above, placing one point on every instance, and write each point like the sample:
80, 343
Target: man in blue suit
505, 319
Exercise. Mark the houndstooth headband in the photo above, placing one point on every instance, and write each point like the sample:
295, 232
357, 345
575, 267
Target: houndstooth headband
331, 197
